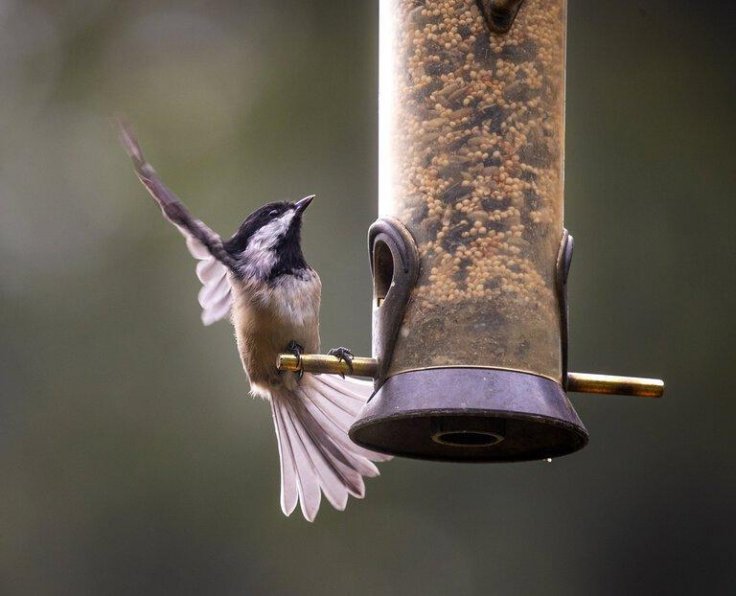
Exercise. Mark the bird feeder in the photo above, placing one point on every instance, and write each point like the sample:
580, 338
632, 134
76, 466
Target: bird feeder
470, 256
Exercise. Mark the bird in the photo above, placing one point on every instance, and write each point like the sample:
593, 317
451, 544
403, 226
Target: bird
260, 280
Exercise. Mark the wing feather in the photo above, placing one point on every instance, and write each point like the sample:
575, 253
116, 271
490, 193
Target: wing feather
203, 244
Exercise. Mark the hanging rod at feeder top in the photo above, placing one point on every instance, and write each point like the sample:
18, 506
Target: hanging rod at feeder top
576, 382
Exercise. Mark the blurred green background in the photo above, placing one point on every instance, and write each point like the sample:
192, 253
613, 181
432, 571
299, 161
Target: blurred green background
132, 460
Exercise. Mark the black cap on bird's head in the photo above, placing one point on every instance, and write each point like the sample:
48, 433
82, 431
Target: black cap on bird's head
268, 242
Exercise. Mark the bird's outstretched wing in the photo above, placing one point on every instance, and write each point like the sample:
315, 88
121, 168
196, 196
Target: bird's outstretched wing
317, 456
204, 244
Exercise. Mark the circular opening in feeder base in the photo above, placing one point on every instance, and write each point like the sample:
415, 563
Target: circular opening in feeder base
465, 438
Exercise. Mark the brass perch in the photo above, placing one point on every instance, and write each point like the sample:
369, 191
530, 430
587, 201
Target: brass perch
322, 363
577, 382
614, 385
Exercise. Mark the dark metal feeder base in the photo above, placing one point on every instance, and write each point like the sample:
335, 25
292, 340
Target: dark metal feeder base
470, 414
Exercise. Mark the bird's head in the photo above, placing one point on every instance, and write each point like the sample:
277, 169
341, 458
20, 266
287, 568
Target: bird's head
268, 243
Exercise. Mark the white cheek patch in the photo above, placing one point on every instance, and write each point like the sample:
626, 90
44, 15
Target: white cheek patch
259, 257
268, 235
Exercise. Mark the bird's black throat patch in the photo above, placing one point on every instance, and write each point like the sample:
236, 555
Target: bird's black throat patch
289, 257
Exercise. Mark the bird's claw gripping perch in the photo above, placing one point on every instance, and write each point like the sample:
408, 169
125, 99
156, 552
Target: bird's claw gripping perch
297, 350
343, 355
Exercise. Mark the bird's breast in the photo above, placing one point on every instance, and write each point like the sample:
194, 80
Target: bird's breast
268, 316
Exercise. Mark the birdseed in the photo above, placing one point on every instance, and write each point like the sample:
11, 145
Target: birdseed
475, 136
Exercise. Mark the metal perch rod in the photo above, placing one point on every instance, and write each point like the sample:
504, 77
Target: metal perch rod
577, 382
322, 363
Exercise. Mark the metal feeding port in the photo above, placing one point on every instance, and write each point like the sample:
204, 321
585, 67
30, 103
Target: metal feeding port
470, 256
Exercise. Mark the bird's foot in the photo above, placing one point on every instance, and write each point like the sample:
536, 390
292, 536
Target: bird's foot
343, 354
297, 350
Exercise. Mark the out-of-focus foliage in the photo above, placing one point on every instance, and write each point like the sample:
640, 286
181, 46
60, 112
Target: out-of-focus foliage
132, 460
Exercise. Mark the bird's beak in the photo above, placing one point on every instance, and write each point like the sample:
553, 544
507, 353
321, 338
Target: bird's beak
301, 206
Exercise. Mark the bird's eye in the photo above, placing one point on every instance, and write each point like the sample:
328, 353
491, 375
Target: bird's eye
273, 213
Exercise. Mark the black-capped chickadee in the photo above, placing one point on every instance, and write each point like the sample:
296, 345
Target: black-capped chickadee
259, 278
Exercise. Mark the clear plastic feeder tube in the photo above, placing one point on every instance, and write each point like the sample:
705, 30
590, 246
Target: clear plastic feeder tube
471, 162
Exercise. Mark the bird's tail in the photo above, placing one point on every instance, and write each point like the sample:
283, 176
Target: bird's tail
317, 456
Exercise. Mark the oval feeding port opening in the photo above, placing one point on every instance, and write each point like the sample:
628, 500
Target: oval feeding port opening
467, 438
383, 270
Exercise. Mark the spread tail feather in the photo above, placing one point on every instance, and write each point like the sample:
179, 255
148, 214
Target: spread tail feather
317, 456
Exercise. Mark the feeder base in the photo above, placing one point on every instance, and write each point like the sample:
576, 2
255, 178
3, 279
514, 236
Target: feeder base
470, 414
